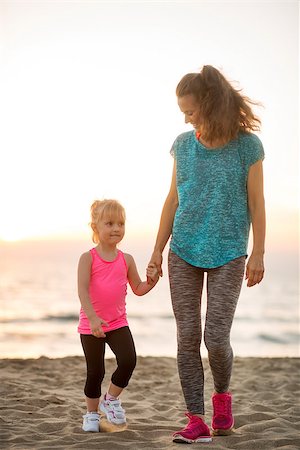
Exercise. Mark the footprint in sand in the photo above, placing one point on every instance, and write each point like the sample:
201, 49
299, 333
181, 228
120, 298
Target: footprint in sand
107, 427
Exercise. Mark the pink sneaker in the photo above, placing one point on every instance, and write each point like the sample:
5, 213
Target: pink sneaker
222, 422
195, 431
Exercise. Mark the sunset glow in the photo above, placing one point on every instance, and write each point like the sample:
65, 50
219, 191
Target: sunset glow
90, 110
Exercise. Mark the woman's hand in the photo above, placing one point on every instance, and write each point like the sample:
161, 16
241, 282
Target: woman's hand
96, 327
156, 261
255, 270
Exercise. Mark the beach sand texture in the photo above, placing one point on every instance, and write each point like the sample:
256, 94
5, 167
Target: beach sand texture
42, 405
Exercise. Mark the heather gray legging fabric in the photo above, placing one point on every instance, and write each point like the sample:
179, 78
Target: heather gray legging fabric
223, 290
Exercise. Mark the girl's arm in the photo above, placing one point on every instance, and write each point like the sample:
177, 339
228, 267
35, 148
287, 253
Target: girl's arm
255, 266
138, 286
84, 274
166, 223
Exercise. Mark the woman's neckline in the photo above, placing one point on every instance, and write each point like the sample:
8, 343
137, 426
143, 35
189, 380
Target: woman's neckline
207, 148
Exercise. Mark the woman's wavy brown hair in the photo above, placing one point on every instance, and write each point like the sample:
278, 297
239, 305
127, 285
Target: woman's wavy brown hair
223, 110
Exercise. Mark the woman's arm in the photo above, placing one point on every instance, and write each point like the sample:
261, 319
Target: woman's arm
84, 274
138, 286
256, 202
166, 223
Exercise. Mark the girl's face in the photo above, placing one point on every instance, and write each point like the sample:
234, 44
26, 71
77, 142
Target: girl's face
111, 230
189, 107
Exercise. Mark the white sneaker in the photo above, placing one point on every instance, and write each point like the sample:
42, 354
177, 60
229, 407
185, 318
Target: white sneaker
113, 411
91, 422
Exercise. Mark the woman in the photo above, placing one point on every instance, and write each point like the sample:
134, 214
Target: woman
216, 193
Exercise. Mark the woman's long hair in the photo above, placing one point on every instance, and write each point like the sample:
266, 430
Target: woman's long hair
224, 111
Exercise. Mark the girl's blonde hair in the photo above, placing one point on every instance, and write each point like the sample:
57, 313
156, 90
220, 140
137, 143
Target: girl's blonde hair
223, 110
100, 209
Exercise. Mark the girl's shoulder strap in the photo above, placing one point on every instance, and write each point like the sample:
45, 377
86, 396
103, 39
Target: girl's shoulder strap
93, 253
123, 259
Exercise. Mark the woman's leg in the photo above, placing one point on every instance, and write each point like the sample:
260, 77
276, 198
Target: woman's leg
94, 350
186, 284
223, 290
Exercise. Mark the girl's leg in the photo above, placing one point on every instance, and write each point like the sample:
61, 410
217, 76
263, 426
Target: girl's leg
94, 350
223, 290
186, 284
122, 345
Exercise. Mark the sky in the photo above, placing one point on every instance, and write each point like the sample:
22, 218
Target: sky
88, 107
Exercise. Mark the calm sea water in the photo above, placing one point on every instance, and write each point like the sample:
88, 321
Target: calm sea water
39, 305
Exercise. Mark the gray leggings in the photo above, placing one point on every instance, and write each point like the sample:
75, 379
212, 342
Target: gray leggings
223, 290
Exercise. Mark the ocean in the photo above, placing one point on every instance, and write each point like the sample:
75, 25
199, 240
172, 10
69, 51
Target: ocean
40, 306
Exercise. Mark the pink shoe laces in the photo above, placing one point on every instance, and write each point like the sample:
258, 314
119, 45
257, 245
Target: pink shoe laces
222, 405
222, 417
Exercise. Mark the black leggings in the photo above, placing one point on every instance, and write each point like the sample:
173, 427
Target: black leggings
121, 343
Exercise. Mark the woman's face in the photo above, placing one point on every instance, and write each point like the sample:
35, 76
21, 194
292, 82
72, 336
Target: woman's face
189, 107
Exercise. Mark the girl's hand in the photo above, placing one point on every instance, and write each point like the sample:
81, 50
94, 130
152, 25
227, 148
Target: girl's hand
152, 274
254, 270
96, 327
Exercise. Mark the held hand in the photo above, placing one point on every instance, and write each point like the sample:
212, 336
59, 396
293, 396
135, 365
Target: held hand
96, 327
254, 270
156, 259
152, 274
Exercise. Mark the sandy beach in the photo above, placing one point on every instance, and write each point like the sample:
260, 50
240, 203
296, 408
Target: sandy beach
42, 404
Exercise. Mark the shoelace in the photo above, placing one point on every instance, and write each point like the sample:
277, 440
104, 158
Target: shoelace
115, 409
222, 407
115, 404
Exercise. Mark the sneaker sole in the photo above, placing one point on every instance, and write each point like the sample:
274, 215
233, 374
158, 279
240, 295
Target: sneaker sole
220, 432
91, 431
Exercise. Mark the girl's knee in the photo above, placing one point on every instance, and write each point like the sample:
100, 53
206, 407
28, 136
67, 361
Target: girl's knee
128, 365
121, 378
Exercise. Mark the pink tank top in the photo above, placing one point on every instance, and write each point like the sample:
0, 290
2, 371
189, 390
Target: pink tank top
108, 288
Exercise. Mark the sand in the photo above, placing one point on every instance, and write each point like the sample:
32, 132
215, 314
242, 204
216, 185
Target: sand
42, 405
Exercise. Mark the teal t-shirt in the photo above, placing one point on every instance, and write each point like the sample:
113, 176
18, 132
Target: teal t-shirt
212, 221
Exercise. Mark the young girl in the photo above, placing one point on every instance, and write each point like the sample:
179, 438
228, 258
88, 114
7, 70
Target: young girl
216, 192
103, 273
